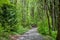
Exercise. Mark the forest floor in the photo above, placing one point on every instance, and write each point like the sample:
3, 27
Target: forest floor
32, 34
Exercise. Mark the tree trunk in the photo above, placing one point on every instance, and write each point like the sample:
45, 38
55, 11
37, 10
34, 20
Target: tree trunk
58, 33
52, 13
46, 10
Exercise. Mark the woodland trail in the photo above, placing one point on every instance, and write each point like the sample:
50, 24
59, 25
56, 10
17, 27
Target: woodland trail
31, 35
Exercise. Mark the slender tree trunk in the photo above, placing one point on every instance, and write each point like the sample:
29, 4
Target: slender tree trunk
52, 13
46, 8
58, 33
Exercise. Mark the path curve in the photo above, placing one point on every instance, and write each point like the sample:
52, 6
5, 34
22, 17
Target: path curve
31, 35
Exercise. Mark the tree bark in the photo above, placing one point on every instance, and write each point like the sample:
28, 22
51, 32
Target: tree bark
46, 10
58, 33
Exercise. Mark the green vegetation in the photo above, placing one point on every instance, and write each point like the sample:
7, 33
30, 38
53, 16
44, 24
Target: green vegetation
18, 16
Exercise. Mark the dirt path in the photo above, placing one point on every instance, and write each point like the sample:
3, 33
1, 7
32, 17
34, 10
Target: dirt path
31, 35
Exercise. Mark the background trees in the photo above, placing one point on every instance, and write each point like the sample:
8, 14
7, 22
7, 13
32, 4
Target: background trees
18, 16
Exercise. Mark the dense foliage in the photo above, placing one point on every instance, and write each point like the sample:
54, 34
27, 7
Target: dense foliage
18, 16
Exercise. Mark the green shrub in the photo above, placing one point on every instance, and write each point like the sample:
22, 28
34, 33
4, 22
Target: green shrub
43, 27
22, 30
44, 30
8, 17
7, 20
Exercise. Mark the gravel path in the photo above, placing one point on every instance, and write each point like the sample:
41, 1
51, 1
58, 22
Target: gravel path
31, 35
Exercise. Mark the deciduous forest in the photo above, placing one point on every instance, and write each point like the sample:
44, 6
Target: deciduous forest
19, 16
